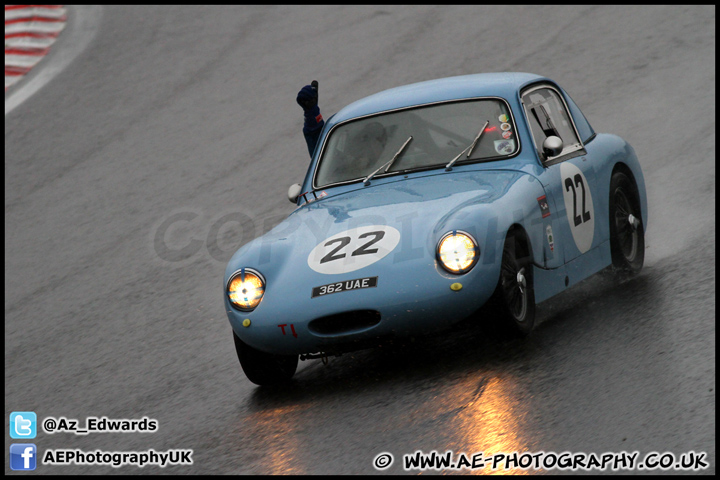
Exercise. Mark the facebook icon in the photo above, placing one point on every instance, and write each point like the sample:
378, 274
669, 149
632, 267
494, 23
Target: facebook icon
23, 456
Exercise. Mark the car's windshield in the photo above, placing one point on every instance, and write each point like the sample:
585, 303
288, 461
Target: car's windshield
440, 132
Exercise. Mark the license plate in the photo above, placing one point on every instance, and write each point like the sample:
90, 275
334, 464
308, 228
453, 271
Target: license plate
357, 284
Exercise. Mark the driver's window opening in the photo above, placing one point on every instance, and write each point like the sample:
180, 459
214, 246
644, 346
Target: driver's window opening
548, 116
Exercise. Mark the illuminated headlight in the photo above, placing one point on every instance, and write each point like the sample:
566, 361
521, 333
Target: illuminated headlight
245, 289
458, 252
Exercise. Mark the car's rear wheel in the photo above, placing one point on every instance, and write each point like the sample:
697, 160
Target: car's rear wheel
265, 368
514, 297
627, 235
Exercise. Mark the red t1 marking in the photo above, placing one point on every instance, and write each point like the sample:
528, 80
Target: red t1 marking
292, 328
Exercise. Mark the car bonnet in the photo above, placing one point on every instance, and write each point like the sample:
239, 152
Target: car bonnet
412, 213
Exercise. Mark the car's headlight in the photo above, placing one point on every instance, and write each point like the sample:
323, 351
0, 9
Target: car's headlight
458, 252
245, 289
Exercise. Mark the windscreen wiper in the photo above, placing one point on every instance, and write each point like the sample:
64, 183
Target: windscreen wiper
387, 165
469, 149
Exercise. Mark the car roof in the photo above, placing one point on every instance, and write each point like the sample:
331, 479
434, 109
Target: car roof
505, 85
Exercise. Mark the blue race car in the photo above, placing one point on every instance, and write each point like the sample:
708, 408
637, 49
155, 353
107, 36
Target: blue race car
425, 202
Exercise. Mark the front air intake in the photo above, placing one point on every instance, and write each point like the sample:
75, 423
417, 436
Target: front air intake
344, 323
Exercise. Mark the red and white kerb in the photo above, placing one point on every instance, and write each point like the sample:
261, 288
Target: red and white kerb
30, 31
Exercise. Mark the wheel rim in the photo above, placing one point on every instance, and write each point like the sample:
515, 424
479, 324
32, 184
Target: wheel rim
627, 235
514, 286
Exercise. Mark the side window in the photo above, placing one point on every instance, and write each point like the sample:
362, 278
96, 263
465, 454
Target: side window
547, 115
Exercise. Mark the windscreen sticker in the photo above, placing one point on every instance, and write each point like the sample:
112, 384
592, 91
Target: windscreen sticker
353, 249
578, 205
503, 118
504, 147
507, 134
505, 127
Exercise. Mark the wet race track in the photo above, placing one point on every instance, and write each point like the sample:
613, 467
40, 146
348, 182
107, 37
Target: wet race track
133, 175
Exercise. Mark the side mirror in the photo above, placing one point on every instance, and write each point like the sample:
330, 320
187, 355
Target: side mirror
552, 146
294, 192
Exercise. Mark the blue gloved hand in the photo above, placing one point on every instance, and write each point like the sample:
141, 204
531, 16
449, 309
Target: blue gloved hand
307, 97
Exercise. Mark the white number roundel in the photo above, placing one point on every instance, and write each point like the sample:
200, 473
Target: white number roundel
353, 249
578, 205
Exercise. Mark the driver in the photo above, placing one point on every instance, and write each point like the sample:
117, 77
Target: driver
364, 147
362, 152
367, 145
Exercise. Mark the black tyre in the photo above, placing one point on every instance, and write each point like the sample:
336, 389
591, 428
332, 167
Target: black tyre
627, 235
265, 368
514, 297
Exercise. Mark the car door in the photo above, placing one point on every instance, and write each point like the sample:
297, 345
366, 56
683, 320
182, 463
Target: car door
569, 176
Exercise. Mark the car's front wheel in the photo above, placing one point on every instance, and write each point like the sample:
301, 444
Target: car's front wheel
265, 368
514, 297
627, 236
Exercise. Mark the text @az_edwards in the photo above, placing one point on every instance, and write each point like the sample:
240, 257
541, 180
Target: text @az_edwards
99, 424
